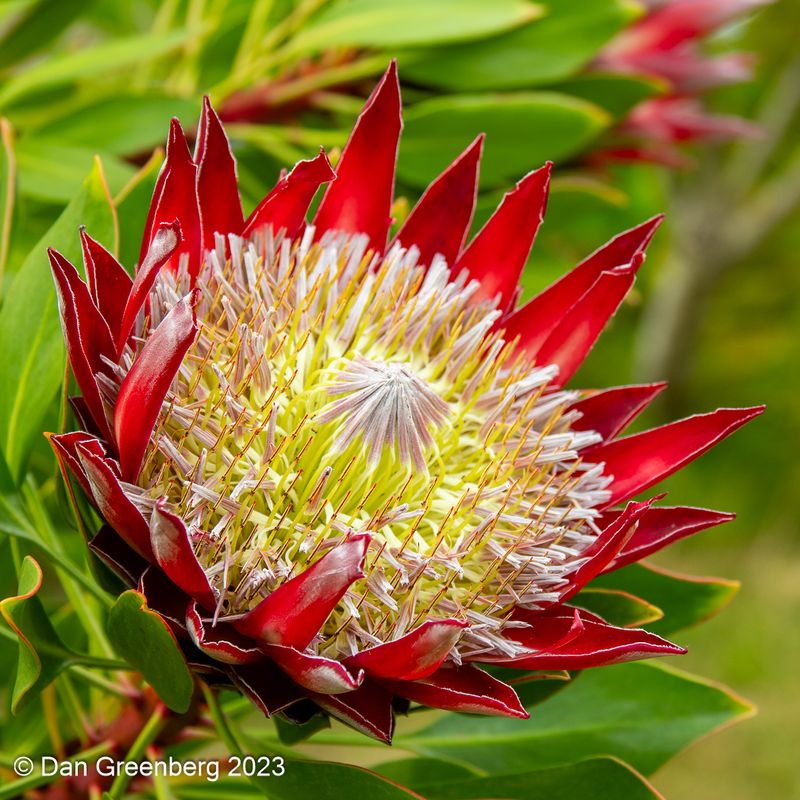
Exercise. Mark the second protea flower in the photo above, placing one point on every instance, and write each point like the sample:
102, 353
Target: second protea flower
348, 473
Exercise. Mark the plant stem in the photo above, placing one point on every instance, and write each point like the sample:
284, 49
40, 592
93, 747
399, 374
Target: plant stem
221, 724
100, 682
7, 137
146, 737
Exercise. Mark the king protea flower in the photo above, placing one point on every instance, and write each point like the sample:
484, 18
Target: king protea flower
345, 470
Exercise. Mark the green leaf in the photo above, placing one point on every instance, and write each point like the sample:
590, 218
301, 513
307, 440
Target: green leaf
42, 654
392, 23
522, 132
598, 779
322, 779
685, 600
551, 49
33, 30
53, 172
144, 639
292, 734
641, 713
121, 124
413, 772
618, 607
99, 60
328, 780
32, 367
618, 94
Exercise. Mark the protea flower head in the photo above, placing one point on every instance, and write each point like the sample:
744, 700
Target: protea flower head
348, 473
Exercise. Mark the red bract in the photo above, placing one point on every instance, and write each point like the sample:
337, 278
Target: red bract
345, 474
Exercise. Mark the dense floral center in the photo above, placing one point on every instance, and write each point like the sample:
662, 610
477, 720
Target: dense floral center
330, 391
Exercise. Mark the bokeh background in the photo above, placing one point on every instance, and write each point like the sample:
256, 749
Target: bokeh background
716, 311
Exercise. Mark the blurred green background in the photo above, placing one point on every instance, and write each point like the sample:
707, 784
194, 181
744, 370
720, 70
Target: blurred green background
717, 308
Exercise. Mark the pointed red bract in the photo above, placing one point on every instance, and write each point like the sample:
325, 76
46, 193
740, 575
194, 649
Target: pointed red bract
662, 525
217, 187
464, 688
65, 447
597, 643
118, 556
643, 459
610, 411
165, 597
164, 244
497, 254
113, 503
315, 673
367, 709
605, 548
293, 614
416, 655
440, 221
572, 339
175, 199
222, 642
286, 206
267, 686
174, 554
109, 284
360, 199
536, 320
146, 384
86, 335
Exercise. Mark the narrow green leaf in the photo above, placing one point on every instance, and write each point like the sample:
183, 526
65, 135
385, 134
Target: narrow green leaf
121, 124
550, 49
618, 94
32, 366
292, 734
642, 713
392, 23
685, 600
144, 639
328, 780
98, 60
53, 172
618, 607
597, 778
523, 131
42, 654
33, 30
414, 772
8, 193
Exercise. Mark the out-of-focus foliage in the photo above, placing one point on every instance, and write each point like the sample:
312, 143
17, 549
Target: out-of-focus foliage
79, 79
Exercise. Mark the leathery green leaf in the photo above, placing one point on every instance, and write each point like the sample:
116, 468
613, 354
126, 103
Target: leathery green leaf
53, 172
99, 59
597, 778
618, 607
145, 641
42, 654
388, 23
685, 600
555, 47
32, 367
523, 130
642, 713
